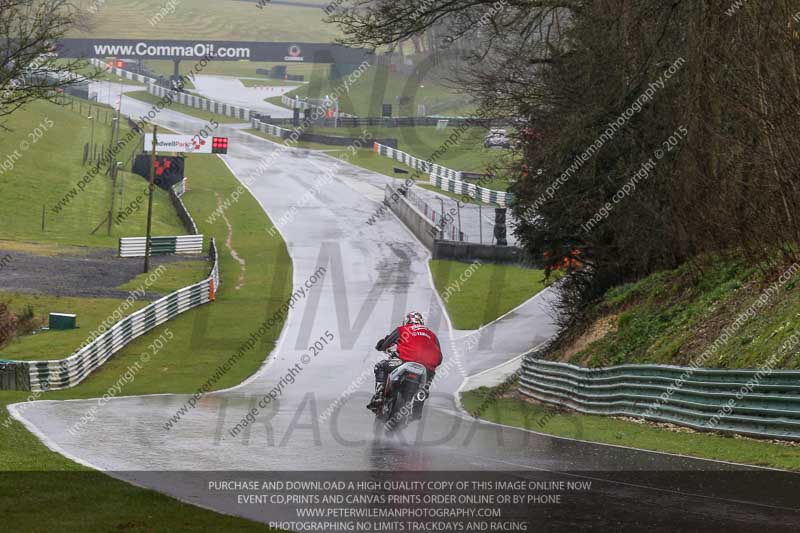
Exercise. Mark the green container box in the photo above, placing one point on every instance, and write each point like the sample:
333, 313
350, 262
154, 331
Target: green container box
62, 321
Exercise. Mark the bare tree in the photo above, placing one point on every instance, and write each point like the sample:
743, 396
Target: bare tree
29, 66
707, 93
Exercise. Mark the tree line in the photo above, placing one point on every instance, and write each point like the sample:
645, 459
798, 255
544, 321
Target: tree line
650, 132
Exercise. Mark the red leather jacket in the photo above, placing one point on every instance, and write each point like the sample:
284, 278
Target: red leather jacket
414, 343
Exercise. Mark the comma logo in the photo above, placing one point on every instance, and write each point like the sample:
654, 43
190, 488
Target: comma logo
295, 53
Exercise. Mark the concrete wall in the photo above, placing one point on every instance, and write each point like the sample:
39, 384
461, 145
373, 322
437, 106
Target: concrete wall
430, 235
420, 225
487, 253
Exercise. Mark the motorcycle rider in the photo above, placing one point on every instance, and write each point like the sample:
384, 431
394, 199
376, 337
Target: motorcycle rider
415, 343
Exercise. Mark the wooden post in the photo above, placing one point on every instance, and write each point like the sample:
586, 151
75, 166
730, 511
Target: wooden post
43, 212
150, 202
113, 195
480, 222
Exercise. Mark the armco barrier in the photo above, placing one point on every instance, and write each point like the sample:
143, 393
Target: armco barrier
65, 373
415, 162
445, 178
392, 122
180, 244
198, 102
175, 194
296, 103
487, 196
122, 73
269, 129
691, 397
331, 140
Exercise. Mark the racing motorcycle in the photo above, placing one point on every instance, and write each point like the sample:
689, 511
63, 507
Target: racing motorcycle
404, 387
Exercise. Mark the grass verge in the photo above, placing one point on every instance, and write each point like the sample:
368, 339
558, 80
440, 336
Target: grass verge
468, 154
477, 293
206, 337
51, 168
203, 339
377, 85
671, 317
200, 20
512, 410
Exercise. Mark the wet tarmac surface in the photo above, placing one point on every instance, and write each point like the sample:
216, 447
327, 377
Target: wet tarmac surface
316, 421
230, 90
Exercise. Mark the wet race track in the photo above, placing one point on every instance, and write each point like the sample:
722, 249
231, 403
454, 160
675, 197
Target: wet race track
317, 422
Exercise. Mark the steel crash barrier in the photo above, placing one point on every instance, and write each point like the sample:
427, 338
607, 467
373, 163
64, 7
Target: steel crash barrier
270, 129
487, 196
66, 373
198, 102
141, 78
180, 244
445, 178
752, 402
302, 105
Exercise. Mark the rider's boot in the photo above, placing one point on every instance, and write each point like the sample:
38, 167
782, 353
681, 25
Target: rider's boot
377, 398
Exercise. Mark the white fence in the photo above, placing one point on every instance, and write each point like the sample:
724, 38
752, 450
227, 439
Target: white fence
445, 178
122, 73
198, 102
66, 373
269, 129
180, 244
447, 227
297, 103
179, 188
487, 196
